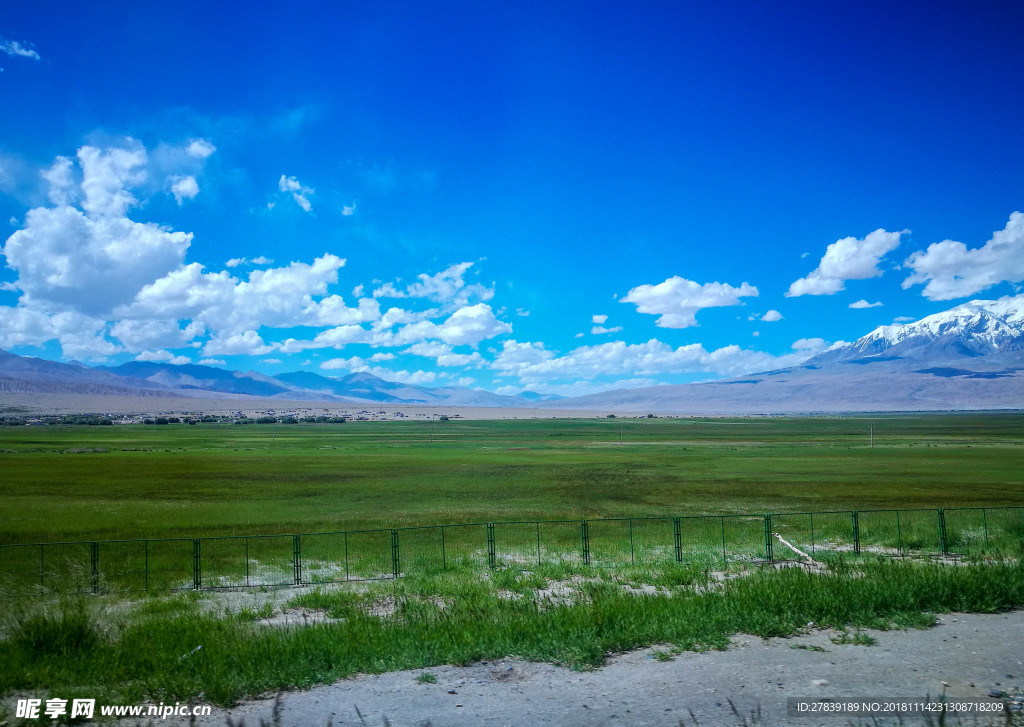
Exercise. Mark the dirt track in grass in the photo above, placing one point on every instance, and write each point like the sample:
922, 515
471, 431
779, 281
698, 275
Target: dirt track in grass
964, 655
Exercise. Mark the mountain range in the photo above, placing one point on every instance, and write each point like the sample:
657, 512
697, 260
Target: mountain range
968, 357
24, 374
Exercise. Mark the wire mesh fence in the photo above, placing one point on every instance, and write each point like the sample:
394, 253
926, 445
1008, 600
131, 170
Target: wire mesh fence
307, 559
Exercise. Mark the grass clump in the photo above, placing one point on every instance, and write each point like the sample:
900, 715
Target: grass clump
173, 651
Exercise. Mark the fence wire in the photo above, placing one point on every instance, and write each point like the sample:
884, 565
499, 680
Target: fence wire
307, 559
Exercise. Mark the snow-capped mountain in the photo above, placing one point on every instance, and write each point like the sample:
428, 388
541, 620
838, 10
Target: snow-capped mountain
968, 357
977, 328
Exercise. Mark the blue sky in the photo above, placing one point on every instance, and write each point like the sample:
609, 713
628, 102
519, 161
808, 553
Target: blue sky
562, 197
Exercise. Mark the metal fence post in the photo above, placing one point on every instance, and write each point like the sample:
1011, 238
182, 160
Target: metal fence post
145, 552
769, 553
346, 555
246, 561
42, 568
725, 560
94, 563
197, 565
855, 522
677, 539
444, 557
899, 533
585, 541
297, 558
396, 565
632, 552
537, 528
943, 542
492, 557
812, 533
984, 522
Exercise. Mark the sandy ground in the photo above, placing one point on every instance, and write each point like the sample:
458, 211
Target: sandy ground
964, 656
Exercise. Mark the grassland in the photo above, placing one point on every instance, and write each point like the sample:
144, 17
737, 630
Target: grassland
86, 483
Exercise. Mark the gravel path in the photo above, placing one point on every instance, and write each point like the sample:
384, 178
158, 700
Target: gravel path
965, 655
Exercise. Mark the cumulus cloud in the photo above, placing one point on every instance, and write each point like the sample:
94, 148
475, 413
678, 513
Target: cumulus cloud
184, 188
18, 49
448, 287
299, 192
161, 356
599, 330
598, 319
444, 355
676, 301
847, 259
69, 260
140, 335
771, 316
356, 364
273, 297
247, 343
532, 363
864, 304
200, 148
212, 362
949, 269
348, 210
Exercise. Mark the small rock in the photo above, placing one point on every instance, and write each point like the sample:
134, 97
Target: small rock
458, 705
998, 694
820, 682
452, 691
945, 684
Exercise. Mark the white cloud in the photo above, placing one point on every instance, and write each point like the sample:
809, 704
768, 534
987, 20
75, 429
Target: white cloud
771, 316
448, 287
949, 269
444, 355
65, 259
273, 297
17, 49
677, 300
356, 364
598, 319
248, 343
847, 259
61, 181
470, 325
532, 363
299, 193
864, 304
271, 361
139, 335
522, 312
161, 356
200, 149
599, 330
107, 176
348, 210
212, 362
184, 188
236, 261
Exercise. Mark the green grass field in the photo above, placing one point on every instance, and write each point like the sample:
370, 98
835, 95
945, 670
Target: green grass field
179, 481
126, 482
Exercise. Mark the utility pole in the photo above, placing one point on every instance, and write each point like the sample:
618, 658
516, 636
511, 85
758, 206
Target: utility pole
871, 430
620, 434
